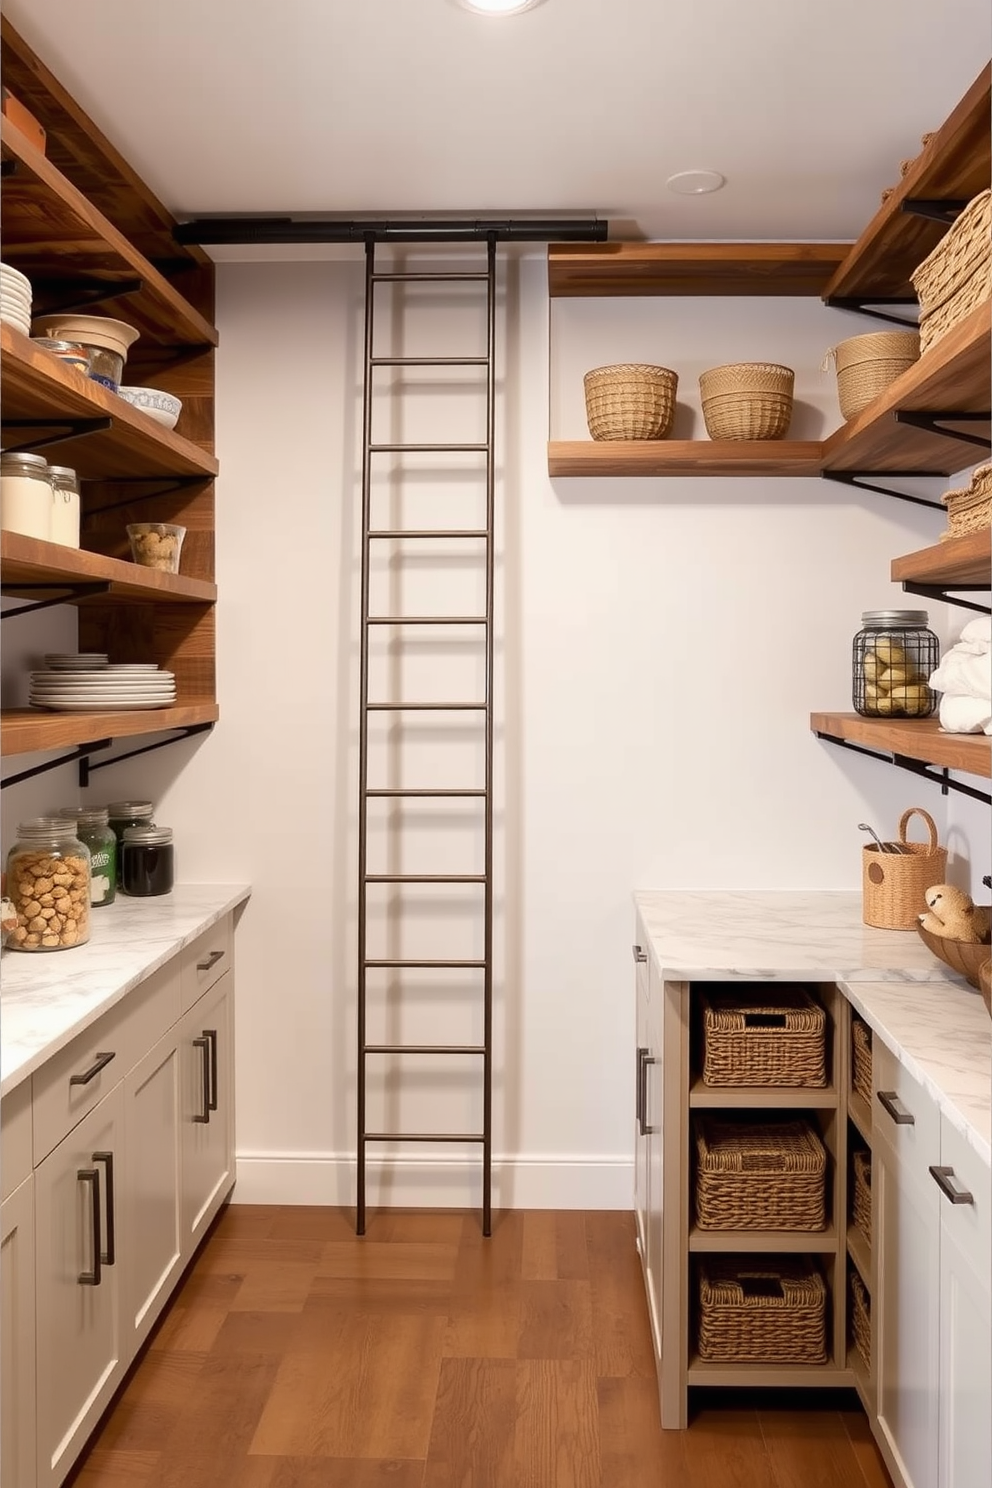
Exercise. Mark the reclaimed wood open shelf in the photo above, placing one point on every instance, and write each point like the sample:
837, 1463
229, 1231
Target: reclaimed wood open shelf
25, 730
959, 560
29, 566
913, 738
693, 457
581, 269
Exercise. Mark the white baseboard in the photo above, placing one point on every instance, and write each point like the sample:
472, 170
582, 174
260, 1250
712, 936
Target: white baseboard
550, 1182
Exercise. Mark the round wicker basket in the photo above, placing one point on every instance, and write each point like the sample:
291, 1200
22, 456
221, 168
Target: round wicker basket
867, 364
631, 400
747, 400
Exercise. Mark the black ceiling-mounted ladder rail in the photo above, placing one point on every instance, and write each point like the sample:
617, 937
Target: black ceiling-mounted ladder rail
408, 228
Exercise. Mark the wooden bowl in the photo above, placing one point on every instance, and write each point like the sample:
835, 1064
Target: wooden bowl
985, 983
959, 955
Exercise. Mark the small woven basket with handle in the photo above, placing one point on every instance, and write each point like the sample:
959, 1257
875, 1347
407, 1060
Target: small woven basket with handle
894, 883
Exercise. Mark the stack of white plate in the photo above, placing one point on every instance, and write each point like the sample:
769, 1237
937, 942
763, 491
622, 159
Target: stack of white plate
75, 661
15, 298
102, 689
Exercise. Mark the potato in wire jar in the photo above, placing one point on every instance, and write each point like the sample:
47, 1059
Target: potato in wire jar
48, 884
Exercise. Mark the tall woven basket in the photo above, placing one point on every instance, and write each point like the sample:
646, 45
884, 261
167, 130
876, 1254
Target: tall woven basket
866, 365
747, 400
957, 276
894, 883
631, 400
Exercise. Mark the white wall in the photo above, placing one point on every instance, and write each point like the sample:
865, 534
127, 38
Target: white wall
660, 646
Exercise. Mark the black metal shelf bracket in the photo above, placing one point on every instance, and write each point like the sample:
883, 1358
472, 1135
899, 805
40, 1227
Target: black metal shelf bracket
163, 485
69, 593
187, 731
948, 594
931, 423
937, 776
68, 429
947, 210
77, 756
64, 296
861, 305
859, 479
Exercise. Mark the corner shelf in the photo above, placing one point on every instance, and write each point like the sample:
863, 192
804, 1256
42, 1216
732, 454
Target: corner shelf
578, 270
911, 738
965, 560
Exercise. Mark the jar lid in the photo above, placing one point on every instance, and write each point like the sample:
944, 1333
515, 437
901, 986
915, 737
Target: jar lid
86, 816
23, 460
46, 826
63, 475
147, 836
118, 809
895, 617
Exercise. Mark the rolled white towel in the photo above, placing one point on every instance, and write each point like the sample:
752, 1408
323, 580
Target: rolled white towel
965, 715
979, 631
963, 675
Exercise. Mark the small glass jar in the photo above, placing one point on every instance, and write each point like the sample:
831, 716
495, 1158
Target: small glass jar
123, 814
48, 883
893, 656
148, 861
66, 506
94, 831
25, 495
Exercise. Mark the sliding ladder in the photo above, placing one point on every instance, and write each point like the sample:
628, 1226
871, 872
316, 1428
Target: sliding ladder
424, 539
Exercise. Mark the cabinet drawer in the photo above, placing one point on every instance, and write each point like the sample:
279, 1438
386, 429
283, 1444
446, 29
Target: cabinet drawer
903, 1114
15, 1138
72, 1082
206, 960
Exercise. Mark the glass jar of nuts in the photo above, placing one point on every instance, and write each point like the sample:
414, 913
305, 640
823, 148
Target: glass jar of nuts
48, 884
893, 656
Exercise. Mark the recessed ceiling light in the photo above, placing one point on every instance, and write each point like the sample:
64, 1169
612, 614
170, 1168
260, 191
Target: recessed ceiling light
498, 7
696, 182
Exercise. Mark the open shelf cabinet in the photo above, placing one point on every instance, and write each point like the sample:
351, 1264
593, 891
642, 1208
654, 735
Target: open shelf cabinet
88, 233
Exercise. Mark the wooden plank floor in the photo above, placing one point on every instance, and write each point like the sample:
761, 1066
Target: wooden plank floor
423, 1356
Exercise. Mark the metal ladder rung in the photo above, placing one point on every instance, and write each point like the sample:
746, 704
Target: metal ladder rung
425, 707
425, 878
395, 964
437, 278
428, 449
425, 1048
431, 532
425, 795
429, 362
427, 620
425, 1137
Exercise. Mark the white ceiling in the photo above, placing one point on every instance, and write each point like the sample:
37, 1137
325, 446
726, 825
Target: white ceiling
574, 107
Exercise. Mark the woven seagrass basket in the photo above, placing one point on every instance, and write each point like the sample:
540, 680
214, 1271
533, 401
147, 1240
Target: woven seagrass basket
969, 509
747, 400
861, 1058
867, 364
631, 400
860, 1317
746, 1042
759, 1176
762, 1310
893, 884
957, 276
861, 1195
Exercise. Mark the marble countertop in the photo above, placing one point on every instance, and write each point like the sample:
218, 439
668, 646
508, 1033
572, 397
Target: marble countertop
46, 1000
931, 1019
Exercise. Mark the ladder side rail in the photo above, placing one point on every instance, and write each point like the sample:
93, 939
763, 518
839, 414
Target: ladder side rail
487, 1063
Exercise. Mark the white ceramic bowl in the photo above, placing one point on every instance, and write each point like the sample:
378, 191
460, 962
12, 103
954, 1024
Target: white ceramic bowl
162, 407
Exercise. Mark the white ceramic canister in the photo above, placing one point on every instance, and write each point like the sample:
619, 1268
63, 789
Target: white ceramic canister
65, 505
25, 495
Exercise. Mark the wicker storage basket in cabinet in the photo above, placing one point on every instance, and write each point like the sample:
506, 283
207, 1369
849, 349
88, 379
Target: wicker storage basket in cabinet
861, 1059
759, 1176
860, 1317
861, 1194
781, 1042
762, 1310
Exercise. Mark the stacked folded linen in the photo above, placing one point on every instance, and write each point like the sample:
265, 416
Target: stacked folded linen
964, 679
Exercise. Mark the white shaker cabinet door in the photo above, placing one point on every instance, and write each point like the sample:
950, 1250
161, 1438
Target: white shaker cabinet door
965, 1434
17, 1383
80, 1353
153, 1256
640, 1139
207, 1074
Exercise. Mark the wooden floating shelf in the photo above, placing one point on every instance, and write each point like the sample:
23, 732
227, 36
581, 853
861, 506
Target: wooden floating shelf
860, 1113
770, 1376
771, 1097
914, 738
955, 164
610, 269
25, 730
959, 560
27, 563
46, 218
953, 374
37, 385
690, 457
765, 1242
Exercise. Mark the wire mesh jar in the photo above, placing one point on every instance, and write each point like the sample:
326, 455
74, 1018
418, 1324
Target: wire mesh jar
893, 655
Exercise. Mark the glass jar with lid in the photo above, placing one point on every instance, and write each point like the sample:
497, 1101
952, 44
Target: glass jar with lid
94, 831
123, 814
48, 883
148, 861
26, 494
893, 656
66, 505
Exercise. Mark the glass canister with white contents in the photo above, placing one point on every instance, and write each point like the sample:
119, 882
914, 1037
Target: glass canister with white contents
893, 656
66, 506
48, 883
26, 494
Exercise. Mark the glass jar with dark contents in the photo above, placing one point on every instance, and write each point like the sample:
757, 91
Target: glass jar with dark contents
147, 861
124, 814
